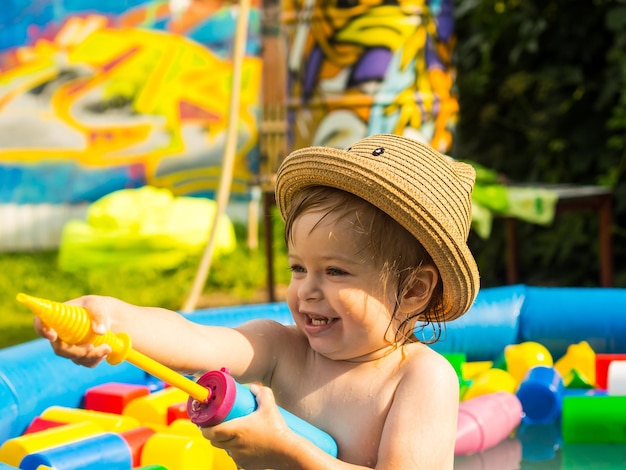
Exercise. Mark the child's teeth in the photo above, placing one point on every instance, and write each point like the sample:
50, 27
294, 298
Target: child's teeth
319, 321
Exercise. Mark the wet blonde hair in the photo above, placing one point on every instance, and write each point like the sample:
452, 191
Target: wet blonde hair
388, 245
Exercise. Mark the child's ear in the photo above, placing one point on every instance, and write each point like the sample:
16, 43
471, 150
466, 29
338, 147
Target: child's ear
419, 293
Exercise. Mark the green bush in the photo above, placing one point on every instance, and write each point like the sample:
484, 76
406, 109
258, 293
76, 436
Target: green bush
542, 93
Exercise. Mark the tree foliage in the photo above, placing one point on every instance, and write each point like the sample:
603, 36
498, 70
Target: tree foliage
542, 90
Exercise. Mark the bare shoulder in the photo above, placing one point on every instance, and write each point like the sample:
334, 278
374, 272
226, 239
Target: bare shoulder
429, 375
422, 362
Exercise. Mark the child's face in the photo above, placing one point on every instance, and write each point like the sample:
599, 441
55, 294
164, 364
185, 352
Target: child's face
335, 294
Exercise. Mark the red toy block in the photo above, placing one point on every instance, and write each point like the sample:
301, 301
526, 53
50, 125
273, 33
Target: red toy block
136, 439
113, 397
602, 367
39, 424
177, 411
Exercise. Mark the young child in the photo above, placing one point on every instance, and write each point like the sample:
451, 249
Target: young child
377, 246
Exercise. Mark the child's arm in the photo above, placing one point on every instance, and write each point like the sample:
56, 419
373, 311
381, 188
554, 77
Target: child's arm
171, 339
420, 428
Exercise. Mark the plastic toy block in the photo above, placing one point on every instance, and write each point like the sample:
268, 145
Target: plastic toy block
136, 439
522, 357
602, 367
541, 394
616, 382
183, 427
107, 421
107, 451
14, 450
469, 370
594, 419
485, 421
177, 411
223, 461
39, 424
153, 408
490, 381
578, 365
177, 452
100, 452
113, 397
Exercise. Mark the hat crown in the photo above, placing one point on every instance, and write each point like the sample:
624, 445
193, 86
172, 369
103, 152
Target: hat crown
442, 185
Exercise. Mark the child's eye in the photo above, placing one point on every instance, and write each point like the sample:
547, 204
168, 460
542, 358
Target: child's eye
336, 272
296, 268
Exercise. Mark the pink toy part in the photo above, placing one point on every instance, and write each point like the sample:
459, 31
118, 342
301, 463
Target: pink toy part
222, 396
485, 421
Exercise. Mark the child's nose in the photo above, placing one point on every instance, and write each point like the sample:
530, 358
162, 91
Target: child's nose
310, 288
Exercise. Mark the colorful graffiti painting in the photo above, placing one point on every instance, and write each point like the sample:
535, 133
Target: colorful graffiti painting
99, 96
373, 66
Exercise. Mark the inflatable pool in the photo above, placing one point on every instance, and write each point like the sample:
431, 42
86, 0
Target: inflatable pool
33, 380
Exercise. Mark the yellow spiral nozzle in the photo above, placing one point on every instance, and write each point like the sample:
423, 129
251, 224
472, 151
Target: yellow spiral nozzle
73, 325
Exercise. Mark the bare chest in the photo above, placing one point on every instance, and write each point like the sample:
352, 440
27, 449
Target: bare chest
351, 404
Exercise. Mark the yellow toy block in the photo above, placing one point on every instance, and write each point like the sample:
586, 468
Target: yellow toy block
470, 370
108, 421
178, 452
491, 381
152, 409
524, 356
14, 450
580, 358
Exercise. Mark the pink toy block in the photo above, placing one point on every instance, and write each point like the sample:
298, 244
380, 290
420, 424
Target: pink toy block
485, 421
113, 397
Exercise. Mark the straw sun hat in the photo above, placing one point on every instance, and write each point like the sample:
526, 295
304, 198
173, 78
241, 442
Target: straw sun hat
424, 191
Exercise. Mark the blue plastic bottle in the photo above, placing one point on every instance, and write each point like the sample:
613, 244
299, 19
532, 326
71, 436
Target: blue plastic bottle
229, 400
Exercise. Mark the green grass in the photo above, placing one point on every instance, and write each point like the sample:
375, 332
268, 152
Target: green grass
237, 278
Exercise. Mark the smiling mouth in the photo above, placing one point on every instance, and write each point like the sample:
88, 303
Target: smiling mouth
319, 321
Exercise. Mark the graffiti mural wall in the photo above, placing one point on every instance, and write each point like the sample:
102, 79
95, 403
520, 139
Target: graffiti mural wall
372, 66
100, 95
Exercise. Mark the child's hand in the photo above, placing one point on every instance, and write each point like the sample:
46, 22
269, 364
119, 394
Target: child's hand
256, 440
85, 354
